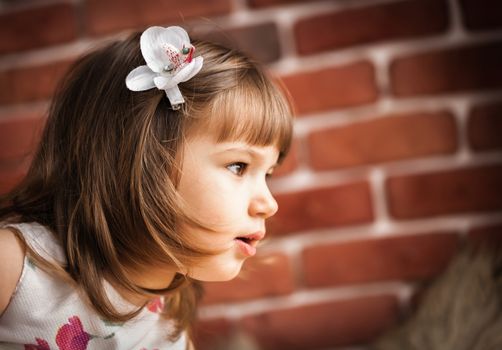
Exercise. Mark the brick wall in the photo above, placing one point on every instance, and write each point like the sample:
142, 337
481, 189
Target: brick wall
397, 157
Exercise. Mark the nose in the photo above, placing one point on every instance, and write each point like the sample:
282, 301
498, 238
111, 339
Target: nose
263, 204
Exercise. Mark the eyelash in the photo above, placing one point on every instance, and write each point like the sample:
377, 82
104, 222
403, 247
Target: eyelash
243, 167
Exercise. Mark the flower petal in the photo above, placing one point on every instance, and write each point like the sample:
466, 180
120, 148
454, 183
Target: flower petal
181, 34
189, 70
163, 82
140, 78
153, 42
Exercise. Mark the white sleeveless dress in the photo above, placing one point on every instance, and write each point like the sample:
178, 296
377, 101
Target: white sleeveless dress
45, 313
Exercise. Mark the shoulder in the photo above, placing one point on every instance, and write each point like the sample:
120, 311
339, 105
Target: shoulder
11, 265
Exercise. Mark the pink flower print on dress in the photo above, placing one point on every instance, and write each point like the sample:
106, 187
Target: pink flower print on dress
156, 305
71, 336
41, 345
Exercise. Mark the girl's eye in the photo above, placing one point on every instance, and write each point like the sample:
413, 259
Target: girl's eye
237, 168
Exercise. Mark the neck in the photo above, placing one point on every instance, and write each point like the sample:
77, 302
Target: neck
176, 282
151, 281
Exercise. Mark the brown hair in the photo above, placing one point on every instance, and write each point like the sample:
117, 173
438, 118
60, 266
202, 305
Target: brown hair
104, 177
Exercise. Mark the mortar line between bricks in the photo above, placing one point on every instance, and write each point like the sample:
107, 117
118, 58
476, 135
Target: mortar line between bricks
298, 272
390, 106
432, 164
252, 16
297, 11
302, 297
346, 55
286, 35
302, 154
380, 61
456, 25
49, 54
461, 114
33, 58
380, 212
443, 224
12, 111
394, 49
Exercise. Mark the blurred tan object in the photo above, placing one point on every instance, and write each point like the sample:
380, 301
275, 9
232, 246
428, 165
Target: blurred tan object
239, 340
460, 311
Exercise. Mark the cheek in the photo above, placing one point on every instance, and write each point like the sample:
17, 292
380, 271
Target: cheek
213, 200
206, 204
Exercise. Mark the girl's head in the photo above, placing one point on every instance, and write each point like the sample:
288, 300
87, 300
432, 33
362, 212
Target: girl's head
127, 183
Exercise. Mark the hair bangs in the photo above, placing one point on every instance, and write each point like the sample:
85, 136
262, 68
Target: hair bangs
254, 112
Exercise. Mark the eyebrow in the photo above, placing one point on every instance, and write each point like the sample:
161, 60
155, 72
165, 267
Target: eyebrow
250, 151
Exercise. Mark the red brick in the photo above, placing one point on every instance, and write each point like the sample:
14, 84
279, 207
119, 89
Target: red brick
259, 41
484, 127
30, 83
37, 27
20, 134
266, 277
392, 258
208, 334
449, 192
453, 70
290, 163
481, 14
400, 20
135, 14
334, 87
384, 139
322, 207
488, 236
336, 323
12, 172
267, 3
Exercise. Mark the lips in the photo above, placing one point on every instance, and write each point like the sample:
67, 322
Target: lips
249, 242
252, 238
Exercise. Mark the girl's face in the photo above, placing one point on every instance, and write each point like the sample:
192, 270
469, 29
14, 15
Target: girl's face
224, 184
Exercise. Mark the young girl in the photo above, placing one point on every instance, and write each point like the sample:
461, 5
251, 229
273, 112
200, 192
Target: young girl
150, 176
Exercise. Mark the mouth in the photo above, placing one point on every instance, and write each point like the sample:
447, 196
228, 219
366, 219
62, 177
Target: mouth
248, 243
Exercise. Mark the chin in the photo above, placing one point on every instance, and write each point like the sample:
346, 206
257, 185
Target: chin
217, 273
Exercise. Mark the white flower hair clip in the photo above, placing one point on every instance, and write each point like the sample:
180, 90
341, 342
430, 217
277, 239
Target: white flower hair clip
169, 61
